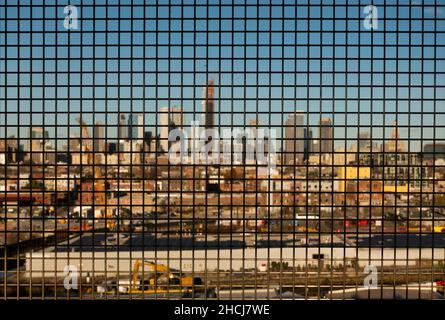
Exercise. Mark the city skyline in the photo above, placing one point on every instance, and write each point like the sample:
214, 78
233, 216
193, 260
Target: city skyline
332, 67
299, 143
338, 141
221, 149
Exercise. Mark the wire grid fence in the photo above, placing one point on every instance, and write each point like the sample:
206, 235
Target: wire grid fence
222, 149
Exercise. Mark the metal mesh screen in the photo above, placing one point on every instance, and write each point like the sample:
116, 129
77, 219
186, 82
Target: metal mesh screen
222, 149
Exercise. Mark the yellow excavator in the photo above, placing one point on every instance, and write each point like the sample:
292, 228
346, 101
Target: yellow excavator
303, 229
161, 280
99, 181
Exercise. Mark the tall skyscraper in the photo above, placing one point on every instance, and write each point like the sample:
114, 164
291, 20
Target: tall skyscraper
12, 146
364, 144
165, 125
363, 154
294, 138
326, 135
308, 143
171, 118
141, 126
395, 144
253, 124
37, 137
99, 137
121, 134
135, 127
208, 105
176, 118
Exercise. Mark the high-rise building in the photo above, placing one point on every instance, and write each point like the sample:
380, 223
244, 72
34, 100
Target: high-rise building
208, 105
326, 135
141, 126
99, 137
363, 152
171, 118
253, 141
253, 123
37, 137
364, 143
147, 143
112, 147
434, 151
165, 125
12, 146
121, 134
176, 118
308, 143
135, 127
21, 153
395, 144
294, 138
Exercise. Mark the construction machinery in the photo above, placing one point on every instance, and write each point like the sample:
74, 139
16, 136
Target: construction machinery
303, 229
162, 280
95, 173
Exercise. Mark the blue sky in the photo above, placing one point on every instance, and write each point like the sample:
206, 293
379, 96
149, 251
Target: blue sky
266, 60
